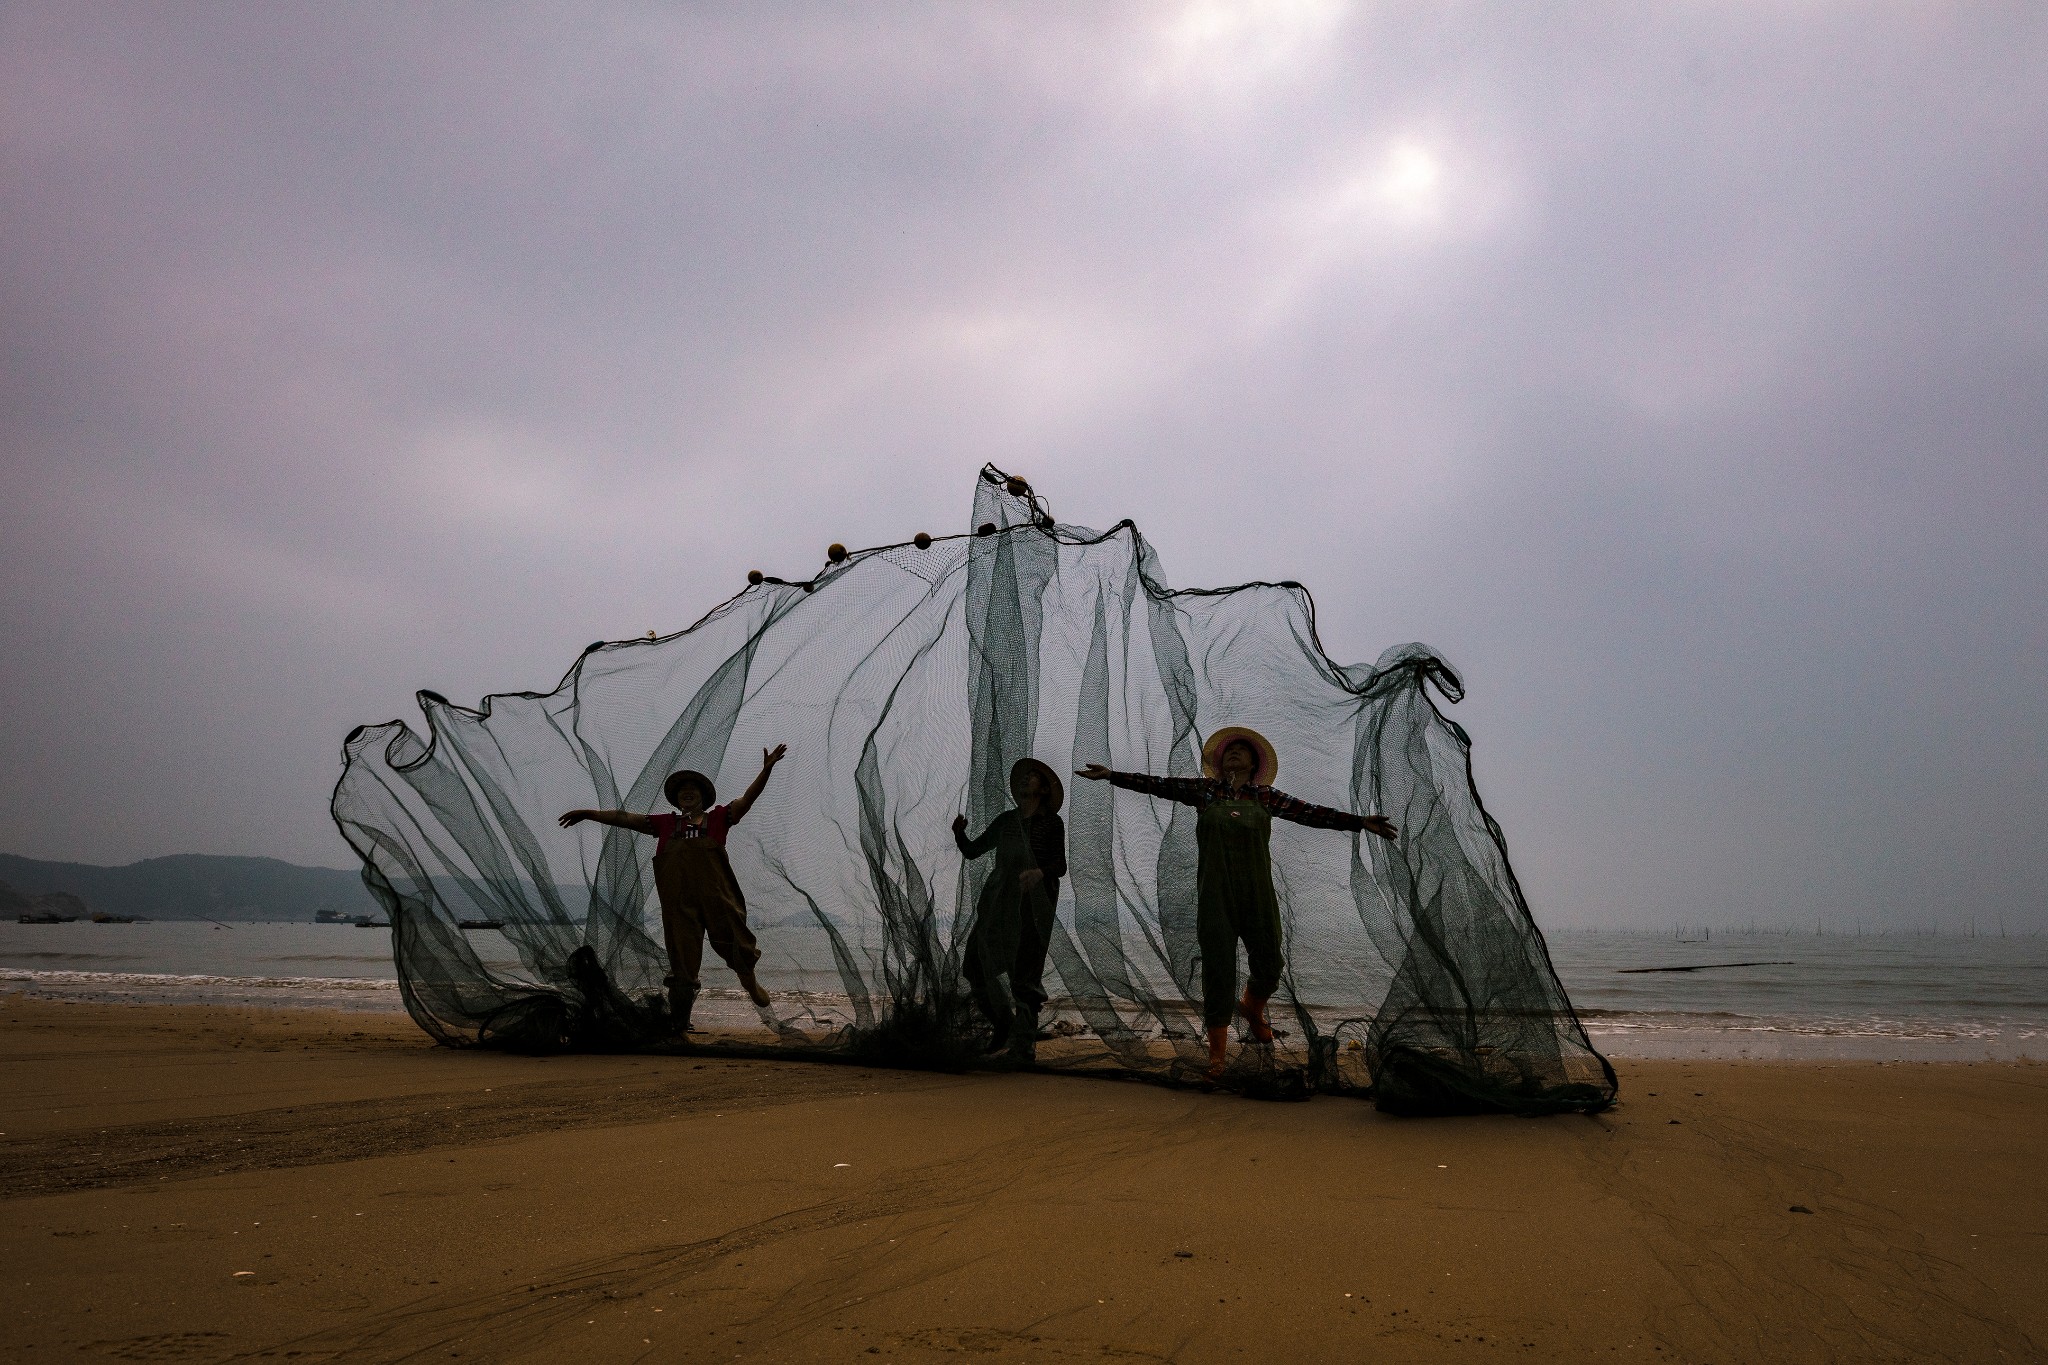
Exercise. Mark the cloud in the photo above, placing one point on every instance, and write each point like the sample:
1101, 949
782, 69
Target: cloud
1211, 49
1674, 372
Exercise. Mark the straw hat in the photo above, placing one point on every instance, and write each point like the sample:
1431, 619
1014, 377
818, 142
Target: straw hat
702, 782
1053, 792
1268, 766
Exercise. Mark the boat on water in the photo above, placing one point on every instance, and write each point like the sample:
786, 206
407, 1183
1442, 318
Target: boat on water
48, 917
480, 924
373, 924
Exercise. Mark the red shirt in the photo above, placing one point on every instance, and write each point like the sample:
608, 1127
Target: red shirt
717, 821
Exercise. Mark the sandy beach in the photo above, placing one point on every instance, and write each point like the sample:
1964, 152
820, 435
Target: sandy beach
210, 1183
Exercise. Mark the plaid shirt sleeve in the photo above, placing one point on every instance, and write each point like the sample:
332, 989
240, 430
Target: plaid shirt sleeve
1285, 807
1189, 791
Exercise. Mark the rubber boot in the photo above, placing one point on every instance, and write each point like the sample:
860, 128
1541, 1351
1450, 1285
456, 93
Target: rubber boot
752, 987
681, 998
1253, 1008
1024, 1038
1219, 1041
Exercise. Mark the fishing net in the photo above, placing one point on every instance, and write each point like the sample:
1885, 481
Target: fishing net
906, 681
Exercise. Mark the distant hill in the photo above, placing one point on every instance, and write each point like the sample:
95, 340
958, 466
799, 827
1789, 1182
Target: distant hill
195, 886
13, 904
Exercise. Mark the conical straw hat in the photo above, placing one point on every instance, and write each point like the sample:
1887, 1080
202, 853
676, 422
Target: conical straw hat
1212, 754
698, 779
1054, 791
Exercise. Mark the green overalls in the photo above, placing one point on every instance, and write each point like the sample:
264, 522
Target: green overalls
1234, 877
1236, 901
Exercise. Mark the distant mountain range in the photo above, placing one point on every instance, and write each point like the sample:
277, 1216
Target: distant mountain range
193, 886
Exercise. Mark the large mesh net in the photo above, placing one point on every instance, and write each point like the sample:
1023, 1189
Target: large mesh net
907, 681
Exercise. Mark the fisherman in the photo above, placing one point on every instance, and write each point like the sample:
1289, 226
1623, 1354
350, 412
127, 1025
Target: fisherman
1234, 873
700, 897
1014, 918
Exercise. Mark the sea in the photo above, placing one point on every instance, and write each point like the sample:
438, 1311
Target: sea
1763, 995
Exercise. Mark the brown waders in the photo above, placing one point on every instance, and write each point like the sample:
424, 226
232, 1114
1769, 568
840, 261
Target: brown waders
701, 898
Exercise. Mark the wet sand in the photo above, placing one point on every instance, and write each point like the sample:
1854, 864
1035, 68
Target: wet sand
210, 1183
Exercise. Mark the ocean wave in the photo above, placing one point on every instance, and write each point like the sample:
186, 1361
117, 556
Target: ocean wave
169, 982
1609, 1023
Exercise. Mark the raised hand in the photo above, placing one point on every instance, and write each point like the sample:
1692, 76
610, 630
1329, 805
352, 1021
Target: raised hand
1380, 825
574, 817
959, 824
745, 803
1094, 772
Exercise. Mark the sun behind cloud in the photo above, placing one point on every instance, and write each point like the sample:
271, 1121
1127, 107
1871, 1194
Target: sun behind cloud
1408, 183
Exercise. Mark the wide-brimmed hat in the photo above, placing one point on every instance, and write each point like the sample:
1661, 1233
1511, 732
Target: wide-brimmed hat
1052, 792
702, 782
1212, 753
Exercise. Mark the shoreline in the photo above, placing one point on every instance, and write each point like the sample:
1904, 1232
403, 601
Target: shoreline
1919, 999
336, 1186
1642, 1035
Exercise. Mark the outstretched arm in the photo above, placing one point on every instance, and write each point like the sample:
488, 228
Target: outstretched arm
1186, 790
769, 758
624, 819
1285, 807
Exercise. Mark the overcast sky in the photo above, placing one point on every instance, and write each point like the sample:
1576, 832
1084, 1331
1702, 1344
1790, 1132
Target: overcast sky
1679, 372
